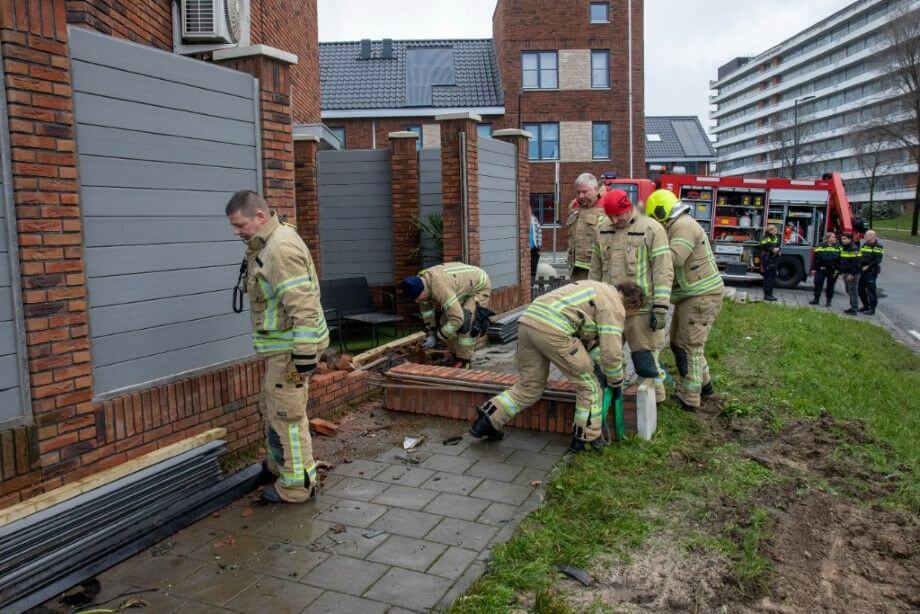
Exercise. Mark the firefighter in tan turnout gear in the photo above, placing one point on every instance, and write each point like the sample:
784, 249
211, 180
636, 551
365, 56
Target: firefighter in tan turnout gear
454, 301
573, 327
289, 332
697, 295
582, 225
629, 246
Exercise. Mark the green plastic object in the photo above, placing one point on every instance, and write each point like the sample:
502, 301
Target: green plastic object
619, 425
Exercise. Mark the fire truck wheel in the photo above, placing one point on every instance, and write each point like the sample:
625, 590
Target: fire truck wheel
789, 272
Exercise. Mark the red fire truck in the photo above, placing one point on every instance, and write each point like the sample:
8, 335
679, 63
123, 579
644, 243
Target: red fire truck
735, 211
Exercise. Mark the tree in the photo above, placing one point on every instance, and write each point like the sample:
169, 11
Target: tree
900, 121
875, 156
789, 146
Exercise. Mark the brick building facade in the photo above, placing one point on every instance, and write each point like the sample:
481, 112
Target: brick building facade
563, 69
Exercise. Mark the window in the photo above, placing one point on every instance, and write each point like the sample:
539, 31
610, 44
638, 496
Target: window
539, 70
600, 12
544, 141
600, 68
544, 207
484, 130
339, 133
600, 141
417, 129
653, 138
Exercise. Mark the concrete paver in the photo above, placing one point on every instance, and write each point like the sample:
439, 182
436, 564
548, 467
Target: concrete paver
411, 523
345, 574
409, 589
275, 596
408, 552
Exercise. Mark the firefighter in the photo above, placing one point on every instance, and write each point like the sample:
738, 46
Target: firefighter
629, 246
582, 225
870, 265
697, 295
454, 300
289, 332
769, 256
849, 268
573, 327
827, 268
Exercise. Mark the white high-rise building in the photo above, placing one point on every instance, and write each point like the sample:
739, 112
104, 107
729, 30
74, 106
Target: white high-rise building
794, 110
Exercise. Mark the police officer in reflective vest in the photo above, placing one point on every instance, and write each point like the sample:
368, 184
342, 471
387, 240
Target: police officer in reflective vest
633, 247
697, 295
769, 257
827, 268
573, 327
454, 300
849, 268
870, 265
289, 332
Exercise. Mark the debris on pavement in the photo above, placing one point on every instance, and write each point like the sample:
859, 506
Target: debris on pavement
452, 441
575, 573
411, 442
323, 427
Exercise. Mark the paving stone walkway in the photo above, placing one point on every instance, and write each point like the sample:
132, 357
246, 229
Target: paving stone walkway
384, 535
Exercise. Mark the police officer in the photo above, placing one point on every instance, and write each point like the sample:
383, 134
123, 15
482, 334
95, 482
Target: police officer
870, 265
769, 256
572, 327
827, 268
454, 300
697, 295
582, 225
849, 268
629, 246
289, 332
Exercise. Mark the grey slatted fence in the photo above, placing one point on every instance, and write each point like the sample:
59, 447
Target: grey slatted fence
430, 203
498, 212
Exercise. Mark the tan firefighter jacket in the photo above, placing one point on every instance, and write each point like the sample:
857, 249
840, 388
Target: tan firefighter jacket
284, 295
695, 270
452, 287
637, 253
581, 225
589, 310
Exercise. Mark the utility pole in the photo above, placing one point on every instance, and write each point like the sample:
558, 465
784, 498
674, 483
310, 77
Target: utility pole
795, 134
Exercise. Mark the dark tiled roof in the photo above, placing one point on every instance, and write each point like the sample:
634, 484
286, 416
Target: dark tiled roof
681, 137
348, 82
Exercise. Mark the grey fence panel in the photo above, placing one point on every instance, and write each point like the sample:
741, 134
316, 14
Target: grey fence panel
163, 142
356, 215
498, 212
430, 200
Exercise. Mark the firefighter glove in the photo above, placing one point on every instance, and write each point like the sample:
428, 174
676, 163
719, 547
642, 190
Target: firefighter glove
430, 342
659, 317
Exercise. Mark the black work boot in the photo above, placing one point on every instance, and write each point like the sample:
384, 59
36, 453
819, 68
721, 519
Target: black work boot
864, 309
770, 297
683, 405
813, 301
850, 311
579, 445
482, 427
870, 311
827, 303
706, 390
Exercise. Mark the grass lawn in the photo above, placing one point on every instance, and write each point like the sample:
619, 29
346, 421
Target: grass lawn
896, 228
692, 484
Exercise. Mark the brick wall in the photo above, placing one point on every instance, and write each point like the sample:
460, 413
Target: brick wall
358, 131
148, 22
546, 415
451, 198
306, 196
404, 187
292, 26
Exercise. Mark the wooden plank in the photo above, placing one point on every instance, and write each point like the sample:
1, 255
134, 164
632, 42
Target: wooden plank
368, 356
46, 500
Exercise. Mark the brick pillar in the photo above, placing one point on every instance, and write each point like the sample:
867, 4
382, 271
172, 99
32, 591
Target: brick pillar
520, 139
272, 68
404, 188
452, 126
47, 202
306, 195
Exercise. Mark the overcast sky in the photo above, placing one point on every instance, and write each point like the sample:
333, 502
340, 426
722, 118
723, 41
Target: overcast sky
685, 40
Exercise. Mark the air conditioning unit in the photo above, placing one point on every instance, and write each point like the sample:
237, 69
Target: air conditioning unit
215, 21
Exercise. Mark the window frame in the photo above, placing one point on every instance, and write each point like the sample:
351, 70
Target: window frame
539, 208
605, 53
656, 135
536, 129
594, 141
591, 8
334, 129
486, 125
540, 70
417, 129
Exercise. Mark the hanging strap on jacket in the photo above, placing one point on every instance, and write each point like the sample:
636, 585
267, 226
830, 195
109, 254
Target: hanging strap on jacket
240, 288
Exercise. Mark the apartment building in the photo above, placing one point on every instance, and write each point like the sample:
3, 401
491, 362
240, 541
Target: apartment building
796, 108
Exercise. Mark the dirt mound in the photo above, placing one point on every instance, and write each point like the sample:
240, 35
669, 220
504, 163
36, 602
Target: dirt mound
831, 555
813, 447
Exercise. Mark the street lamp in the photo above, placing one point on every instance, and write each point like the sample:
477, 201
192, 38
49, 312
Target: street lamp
795, 134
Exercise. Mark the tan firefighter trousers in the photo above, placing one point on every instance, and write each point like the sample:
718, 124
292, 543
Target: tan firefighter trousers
536, 350
690, 325
638, 334
290, 450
